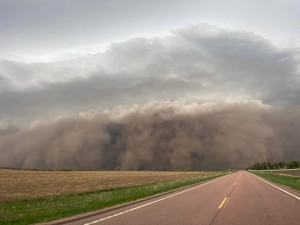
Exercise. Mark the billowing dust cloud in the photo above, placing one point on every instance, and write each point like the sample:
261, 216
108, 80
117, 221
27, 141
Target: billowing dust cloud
157, 136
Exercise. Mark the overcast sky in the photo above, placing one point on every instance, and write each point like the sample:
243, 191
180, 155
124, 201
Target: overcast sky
173, 84
42, 29
62, 57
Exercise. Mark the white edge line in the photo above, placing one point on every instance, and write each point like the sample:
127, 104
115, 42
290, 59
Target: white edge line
158, 200
295, 196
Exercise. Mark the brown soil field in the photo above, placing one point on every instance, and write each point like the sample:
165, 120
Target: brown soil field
28, 184
289, 172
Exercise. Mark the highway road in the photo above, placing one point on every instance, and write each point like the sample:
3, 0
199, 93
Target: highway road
237, 199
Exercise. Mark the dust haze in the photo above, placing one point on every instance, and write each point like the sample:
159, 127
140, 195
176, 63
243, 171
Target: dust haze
162, 135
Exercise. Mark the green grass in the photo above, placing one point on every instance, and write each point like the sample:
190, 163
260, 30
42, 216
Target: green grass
51, 208
293, 182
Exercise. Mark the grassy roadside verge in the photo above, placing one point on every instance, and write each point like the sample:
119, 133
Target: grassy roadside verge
290, 181
51, 208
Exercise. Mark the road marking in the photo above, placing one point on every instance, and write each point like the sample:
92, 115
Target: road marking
226, 202
158, 200
222, 203
277, 187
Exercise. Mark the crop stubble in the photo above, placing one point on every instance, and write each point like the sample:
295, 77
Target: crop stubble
27, 184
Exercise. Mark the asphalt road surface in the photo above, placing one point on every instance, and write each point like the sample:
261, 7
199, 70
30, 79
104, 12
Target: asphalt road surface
236, 199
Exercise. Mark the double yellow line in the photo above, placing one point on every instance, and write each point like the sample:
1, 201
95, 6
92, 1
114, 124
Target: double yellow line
224, 203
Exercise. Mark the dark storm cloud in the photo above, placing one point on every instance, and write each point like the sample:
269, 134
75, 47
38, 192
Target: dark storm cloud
160, 135
223, 68
196, 61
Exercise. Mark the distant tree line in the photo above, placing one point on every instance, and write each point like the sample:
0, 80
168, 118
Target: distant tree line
275, 165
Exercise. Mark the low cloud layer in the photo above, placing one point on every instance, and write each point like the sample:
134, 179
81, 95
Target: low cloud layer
175, 102
196, 61
168, 135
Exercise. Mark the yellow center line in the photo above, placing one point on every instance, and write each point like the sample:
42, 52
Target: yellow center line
222, 203
226, 199
226, 202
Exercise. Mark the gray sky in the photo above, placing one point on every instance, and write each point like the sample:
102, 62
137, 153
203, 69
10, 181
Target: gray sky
43, 29
61, 57
136, 84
